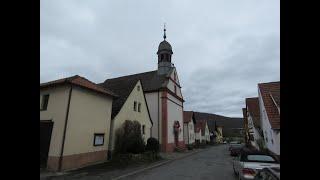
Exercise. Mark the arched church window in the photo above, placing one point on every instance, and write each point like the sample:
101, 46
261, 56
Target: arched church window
162, 56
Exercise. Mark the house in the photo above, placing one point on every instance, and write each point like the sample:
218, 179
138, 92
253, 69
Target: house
232, 126
269, 104
218, 134
130, 105
74, 110
162, 90
188, 127
254, 125
206, 133
198, 133
245, 126
202, 131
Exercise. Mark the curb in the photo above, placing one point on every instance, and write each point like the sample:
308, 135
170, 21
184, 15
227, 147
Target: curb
156, 165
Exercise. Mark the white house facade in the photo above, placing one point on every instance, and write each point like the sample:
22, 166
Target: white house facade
188, 127
270, 114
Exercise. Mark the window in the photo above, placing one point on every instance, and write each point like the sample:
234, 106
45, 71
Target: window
44, 103
135, 106
175, 89
175, 76
143, 129
259, 158
139, 107
162, 56
98, 139
138, 88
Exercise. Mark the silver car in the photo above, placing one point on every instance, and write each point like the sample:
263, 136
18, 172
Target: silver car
248, 163
268, 173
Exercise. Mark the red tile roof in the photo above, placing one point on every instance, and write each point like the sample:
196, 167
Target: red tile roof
78, 81
187, 116
245, 120
253, 109
271, 109
201, 124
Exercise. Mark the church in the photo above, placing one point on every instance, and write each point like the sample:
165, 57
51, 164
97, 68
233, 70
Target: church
164, 98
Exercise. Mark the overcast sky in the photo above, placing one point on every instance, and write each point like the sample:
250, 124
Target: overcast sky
222, 48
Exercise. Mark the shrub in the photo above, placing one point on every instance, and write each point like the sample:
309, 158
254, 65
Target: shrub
190, 146
129, 138
153, 145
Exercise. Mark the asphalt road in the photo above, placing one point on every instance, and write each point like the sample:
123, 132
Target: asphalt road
214, 163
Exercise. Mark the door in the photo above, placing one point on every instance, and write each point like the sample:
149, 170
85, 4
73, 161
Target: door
45, 138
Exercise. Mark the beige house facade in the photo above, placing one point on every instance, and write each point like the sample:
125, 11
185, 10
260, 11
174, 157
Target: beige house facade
78, 111
133, 108
218, 134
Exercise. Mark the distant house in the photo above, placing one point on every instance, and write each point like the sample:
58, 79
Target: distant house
245, 126
218, 133
253, 117
130, 105
232, 126
188, 127
202, 131
206, 133
198, 133
269, 103
74, 110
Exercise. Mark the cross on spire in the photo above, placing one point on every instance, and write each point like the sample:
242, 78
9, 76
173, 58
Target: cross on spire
164, 30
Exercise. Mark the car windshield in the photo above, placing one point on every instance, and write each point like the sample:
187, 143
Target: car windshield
260, 158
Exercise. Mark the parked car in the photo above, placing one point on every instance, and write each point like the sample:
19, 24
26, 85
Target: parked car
234, 142
268, 173
235, 149
248, 163
235, 146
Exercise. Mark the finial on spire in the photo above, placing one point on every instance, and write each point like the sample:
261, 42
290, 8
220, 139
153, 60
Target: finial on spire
164, 29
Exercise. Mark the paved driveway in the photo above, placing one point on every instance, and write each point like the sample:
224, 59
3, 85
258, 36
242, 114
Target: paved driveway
214, 164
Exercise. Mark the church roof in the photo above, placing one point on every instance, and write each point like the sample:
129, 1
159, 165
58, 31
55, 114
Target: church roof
123, 88
165, 46
150, 81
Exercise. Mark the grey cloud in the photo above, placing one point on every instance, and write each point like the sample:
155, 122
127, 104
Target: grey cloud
222, 49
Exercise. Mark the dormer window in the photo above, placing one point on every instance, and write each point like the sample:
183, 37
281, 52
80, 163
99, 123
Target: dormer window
138, 88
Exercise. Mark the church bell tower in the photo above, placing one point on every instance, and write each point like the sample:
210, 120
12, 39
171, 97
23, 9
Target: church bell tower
164, 55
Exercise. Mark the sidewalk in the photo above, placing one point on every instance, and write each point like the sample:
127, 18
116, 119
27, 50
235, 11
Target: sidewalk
104, 171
